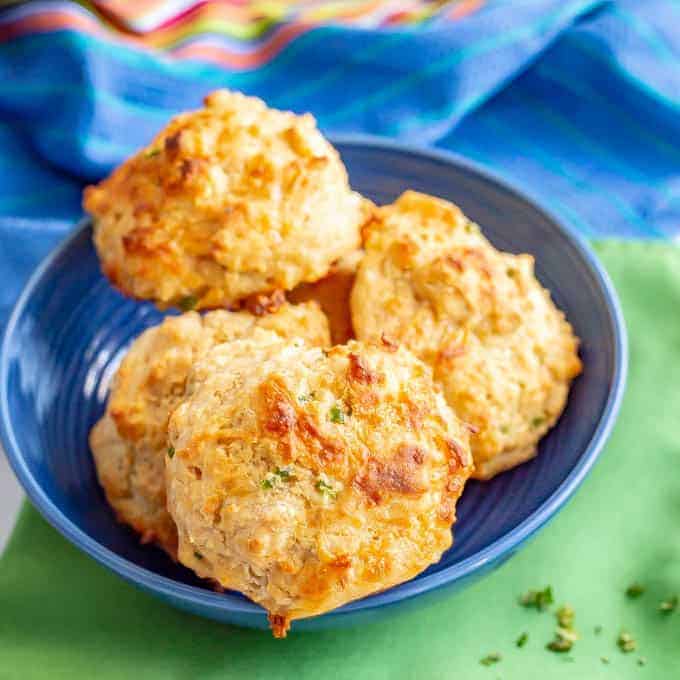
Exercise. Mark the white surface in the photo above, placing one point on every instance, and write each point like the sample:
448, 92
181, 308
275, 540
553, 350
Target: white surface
10, 499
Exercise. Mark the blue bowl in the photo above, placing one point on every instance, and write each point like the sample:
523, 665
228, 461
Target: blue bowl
70, 328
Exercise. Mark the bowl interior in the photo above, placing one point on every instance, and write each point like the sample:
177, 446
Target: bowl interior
72, 328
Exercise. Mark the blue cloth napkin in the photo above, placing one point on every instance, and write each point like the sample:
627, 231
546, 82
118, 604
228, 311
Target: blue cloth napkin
576, 102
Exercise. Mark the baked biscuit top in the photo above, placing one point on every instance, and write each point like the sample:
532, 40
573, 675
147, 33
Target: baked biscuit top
503, 352
233, 200
307, 478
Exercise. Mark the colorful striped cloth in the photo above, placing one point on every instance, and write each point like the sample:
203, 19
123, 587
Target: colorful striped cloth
577, 102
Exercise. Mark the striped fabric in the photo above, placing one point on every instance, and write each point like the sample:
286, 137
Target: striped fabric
577, 102
241, 19
234, 35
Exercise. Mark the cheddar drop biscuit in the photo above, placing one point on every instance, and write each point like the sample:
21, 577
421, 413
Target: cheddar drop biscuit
307, 478
129, 443
230, 201
503, 352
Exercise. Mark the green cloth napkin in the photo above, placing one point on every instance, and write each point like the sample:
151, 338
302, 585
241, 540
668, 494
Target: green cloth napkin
64, 616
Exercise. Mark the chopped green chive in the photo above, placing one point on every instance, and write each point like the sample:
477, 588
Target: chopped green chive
151, 153
188, 302
565, 635
537, 422
198, 555
490, 659
642, 661
605, 660
560, 644
522, 639
565, 617
279, 475
669, 605
598, 629
326, 489
626, 642
284, 473
171, 451
568, 633
537, 599
336, 414
635, 590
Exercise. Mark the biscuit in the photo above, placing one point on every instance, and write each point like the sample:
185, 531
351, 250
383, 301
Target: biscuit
233, 200
503, 352
129, 443
307, 478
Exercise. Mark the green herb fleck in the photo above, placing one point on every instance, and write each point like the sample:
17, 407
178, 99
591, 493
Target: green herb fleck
171, 451
490, 659
325, 489
537, 599
188, 302
537, 422
626, 642
336, 414
522, 640
669, 605
560, 644
151, 153
565, 635
565, 617
642, 661
635, 590
605, 660
304, 398
284, 473
598, 629
198, 555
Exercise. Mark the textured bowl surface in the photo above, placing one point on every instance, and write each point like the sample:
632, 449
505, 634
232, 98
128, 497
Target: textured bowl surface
69, 330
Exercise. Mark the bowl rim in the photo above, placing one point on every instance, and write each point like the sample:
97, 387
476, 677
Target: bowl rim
495, 551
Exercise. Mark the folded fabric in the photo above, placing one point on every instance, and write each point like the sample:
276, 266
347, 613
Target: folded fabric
575, 101
64, 616
256, 17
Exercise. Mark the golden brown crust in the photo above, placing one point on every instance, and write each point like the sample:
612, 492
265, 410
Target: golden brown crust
332, 293
315, 488
229, 201
129, 443
280, 625
503, 352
